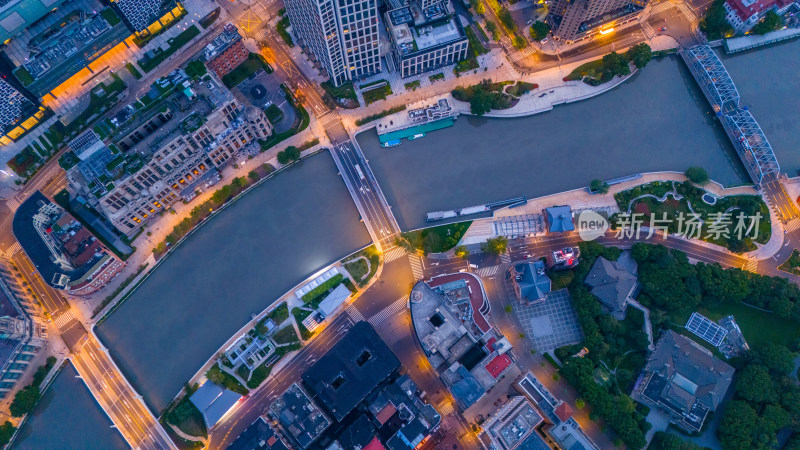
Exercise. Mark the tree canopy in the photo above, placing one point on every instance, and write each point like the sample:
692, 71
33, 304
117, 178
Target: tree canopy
196, 69
771, 22
598, 186
639, 55
496, 245
539, 30
714, 24
697, 175
616, 64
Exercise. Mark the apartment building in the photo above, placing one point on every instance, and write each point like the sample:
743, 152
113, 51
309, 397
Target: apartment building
169, 151
574, 20
424, 39
342, 36
226, 51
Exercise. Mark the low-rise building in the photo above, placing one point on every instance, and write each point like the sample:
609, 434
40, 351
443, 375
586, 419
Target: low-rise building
16, 15
214, 402
76, 41
226, 51
744, 14
65, 253
259, 435
513, 425
558, 425
147, 15
300, 418
614, 283
559, 219
531, 283
725, 334
449, 314
684, 380
169, 150
424, 39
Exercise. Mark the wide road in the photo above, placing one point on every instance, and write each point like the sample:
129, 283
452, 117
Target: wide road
232, 425
109, 387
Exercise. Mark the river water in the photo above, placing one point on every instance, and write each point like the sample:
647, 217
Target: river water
304, 218
235, 266
768, 81
68, 417
658, 120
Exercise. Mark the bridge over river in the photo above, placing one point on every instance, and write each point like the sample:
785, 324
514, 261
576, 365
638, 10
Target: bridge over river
741, 127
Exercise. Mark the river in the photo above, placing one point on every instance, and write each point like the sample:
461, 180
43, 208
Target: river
768, 83
235, 266
657, 120
68, 417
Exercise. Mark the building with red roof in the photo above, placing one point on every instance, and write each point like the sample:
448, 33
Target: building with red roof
744, 14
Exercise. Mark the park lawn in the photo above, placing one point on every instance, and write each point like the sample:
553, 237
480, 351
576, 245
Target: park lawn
751, 321
792, 265
299, 316
521, 88
193, 424
251, 65
228, 380
373, 95
437, 239
279, 314
346, 90
358, 269
592, 69
285, 335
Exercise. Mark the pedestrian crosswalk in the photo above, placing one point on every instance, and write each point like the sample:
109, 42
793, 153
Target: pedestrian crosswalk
522, 54
751, 266
63, 319
391, 310
416, 266
12, 204
487, 271
505, 258
327, 118
793, 225
394, 253
445, 409
13, 250
354, 313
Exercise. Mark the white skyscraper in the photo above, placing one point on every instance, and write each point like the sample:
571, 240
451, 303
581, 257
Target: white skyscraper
342, 35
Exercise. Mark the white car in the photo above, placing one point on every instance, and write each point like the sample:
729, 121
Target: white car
545, 41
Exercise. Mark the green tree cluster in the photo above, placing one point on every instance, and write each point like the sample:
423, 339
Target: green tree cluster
598, 186
666, 441
196, 69
291, 154
697, 175
539, 30
617, 410
496, 245
639, 55
616, 64
505, 17
771, 22
766, 399
670, 283
483, 97
477, 5
24, 401
714, 24
461, 252
6, 431
491, 27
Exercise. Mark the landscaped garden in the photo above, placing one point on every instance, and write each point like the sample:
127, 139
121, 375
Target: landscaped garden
346, 90
678, 201
603, 70
363, 265
380, 91
435, 239
792, 265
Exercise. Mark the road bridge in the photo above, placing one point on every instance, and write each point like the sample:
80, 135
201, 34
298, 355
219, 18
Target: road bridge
739, 124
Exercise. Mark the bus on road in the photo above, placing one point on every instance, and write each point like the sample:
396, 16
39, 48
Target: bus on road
360, 173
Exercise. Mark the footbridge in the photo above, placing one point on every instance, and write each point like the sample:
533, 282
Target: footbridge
739, 124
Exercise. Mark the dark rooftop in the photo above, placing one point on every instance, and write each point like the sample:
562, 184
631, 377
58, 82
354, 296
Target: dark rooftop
350, 370
258, 436
30, 240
